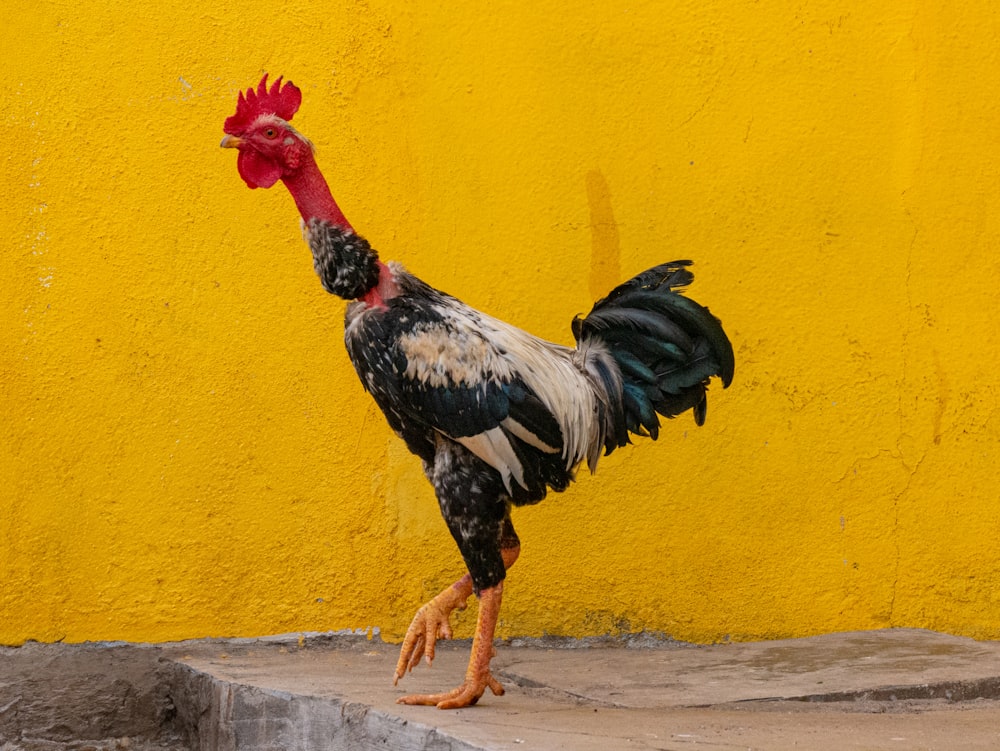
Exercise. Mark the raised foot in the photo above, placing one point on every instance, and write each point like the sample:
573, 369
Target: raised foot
465, 695
432, 622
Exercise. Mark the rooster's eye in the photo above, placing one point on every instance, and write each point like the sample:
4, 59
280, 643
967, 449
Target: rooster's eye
270, 133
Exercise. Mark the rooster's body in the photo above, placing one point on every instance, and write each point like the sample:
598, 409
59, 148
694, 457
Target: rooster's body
497, 416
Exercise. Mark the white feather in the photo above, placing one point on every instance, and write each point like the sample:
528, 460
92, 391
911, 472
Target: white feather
493, 447
553, 372
513, 426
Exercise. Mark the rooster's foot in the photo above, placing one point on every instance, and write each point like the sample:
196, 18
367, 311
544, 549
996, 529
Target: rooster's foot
478, 676
432, 622
465, 695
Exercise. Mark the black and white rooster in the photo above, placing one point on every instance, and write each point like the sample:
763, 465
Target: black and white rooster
498, 416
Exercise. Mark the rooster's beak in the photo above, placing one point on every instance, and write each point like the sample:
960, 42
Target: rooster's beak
230, 142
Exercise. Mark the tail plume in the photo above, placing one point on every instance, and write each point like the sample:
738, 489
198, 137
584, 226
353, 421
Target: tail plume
666, 346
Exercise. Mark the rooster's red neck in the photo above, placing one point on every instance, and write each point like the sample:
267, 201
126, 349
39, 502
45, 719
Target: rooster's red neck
312, 195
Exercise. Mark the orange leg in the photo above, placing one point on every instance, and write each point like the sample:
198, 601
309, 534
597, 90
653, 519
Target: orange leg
477, 676
432, 623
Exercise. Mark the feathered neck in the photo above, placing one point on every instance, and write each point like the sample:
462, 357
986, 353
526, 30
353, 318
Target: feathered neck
316, 205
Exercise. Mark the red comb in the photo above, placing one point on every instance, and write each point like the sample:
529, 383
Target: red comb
281, 101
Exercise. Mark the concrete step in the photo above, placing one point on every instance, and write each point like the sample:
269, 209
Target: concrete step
897, 689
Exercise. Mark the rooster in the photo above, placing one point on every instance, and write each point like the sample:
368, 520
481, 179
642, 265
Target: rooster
498, 417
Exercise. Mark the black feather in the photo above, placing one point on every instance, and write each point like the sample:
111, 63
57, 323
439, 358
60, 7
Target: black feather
700, 411
529, 411
647, 348
695, 319
633, 366
635, 319
610, 384
666, 346
636, 401
670, 275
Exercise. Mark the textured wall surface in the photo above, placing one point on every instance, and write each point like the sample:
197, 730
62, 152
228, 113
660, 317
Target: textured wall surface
185, 449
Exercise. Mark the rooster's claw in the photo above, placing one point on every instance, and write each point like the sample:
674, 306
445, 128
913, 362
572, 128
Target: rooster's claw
432, 622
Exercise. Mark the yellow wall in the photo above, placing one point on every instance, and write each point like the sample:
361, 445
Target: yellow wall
184, 447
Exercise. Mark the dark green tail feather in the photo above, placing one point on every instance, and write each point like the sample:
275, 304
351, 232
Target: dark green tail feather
666, 346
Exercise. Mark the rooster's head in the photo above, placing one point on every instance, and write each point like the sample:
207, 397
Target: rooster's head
270, 148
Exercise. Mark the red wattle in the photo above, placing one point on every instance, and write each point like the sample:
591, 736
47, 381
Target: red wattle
257, 171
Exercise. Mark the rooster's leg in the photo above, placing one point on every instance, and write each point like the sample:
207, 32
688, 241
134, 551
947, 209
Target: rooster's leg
477, 676
432, 621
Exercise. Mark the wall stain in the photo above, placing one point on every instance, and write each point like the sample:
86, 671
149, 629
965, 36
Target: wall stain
605, 253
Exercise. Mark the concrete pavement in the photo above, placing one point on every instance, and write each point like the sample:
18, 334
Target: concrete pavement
894, 689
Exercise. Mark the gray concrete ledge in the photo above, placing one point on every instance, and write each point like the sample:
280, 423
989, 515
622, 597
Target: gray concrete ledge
894, 689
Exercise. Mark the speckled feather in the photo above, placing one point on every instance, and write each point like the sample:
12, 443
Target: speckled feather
346, 264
